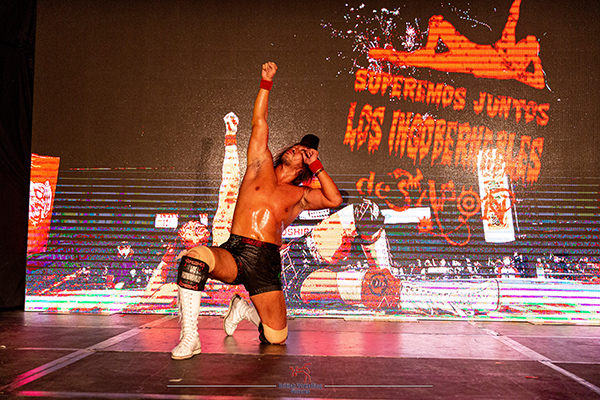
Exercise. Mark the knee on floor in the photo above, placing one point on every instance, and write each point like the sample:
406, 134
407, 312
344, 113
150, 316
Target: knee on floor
273, 336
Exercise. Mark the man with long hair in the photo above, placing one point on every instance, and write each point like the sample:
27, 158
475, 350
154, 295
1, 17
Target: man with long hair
270, 198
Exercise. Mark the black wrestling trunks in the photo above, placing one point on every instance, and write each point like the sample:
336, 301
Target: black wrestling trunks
259, 264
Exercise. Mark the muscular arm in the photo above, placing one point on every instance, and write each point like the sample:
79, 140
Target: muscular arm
328, 196
258, 148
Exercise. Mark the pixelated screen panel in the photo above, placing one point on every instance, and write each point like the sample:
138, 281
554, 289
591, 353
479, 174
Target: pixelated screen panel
454, 132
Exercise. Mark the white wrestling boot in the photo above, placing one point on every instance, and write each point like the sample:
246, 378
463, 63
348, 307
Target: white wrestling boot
189, 308
239, 309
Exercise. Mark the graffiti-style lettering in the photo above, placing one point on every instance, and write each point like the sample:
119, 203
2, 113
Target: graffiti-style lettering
375, 132
521, 159
475, 145
426, 138
448, 143
350, 136
542, 119
397, 86
533, 171
400, 192
368, 128
410, 89
397, 196
502, 106
468, 203
368, 181
434, 93
518, 106
438, 140
461, 151
410, 84
399, 200
414, 137
399, 132
479, 104
374, 83
460, 99
452, 144
360, 80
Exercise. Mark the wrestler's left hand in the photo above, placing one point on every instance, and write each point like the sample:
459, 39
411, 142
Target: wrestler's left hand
181, 254
309, 155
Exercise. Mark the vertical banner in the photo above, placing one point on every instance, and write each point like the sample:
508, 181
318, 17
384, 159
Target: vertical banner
42, 190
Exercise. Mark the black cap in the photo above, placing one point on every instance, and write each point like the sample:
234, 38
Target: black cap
310, 141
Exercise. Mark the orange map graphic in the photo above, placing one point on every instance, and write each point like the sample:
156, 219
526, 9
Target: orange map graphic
447, 50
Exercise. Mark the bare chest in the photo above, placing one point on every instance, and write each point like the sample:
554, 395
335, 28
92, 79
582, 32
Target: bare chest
281, 200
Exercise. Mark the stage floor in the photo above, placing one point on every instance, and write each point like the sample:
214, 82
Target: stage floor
128, 356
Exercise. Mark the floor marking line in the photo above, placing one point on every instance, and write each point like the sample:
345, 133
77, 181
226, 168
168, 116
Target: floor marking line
70, 358
571, 375
378, 386
222, 386
43, 370
72, 349
100, 395
526, 351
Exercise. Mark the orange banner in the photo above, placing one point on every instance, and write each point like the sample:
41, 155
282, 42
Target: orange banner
42, 188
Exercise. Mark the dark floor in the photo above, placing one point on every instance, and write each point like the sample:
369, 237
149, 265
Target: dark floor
127, 356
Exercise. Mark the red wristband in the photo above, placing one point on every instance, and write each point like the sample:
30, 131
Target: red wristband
265, 84
315, 166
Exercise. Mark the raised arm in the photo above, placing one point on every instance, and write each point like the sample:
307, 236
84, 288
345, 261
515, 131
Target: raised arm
259, 139
328, 196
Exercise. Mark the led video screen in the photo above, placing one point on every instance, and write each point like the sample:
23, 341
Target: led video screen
462, 136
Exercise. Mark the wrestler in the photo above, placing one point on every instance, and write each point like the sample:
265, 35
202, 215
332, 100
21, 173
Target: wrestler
270, 198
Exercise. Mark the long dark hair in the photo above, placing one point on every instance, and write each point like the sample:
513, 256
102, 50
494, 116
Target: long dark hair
305, 173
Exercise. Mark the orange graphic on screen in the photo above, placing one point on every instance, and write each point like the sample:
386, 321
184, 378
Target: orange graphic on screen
42, 186
447, 50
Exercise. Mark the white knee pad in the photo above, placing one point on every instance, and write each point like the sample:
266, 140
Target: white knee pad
204, 254
269, 335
